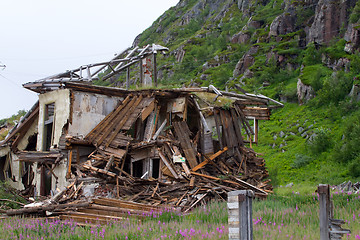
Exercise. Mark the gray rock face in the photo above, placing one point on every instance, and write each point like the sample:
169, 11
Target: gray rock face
304, 92
241, 38
330, 17
355, 93
245, 62
243, 5
283, 24
352, 36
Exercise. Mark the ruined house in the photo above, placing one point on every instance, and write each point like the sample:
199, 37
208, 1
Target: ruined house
140, 141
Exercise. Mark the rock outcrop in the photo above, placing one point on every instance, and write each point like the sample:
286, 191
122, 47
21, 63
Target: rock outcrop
245, 62
304, 92
330, 17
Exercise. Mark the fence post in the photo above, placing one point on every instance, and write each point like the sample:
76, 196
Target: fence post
324, 214
240, 215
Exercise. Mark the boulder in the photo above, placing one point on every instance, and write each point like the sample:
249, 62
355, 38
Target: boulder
352, 36
245, 62
283, 24
304, 92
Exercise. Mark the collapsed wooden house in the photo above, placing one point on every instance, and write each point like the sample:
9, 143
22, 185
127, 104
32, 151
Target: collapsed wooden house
178, 146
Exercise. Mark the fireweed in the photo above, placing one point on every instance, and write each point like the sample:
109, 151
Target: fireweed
278, 217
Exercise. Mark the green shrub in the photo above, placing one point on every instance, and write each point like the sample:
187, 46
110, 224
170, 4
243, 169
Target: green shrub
355, 15
335, 88
321, 142
354, 167
312, 55
347, 150
301, 160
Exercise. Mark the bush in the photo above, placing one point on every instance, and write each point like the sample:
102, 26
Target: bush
354, 167
335, 89
301, 161
347, 150
321, 142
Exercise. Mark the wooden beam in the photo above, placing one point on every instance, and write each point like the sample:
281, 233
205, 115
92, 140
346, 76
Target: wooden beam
211, 158
168, 165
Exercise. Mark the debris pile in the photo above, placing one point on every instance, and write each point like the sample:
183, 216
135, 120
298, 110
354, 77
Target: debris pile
160, 148
347, 187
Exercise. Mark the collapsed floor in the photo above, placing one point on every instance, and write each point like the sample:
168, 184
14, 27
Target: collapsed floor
172, 149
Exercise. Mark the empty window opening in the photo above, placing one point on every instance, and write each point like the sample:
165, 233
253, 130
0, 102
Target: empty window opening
48, 125
138, 169
2, 168
45, 184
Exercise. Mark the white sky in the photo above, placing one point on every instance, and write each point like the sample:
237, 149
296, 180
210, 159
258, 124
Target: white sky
39, 38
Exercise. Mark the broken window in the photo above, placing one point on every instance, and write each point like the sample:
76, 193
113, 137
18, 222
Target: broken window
2, 167
7, 168
45, 183
48, 125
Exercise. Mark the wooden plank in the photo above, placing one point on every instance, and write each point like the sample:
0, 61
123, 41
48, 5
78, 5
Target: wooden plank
237, 127
135, 114
125, 204
95, 169
168, 165
157, 133
146, 111
218, 126
180, 129
68, 174
109, 125
228, 134
211, 158
123, 121
119, 153
149, 127
109, 163
27, 210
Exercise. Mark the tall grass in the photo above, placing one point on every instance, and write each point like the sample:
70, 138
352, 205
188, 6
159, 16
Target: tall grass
281, 216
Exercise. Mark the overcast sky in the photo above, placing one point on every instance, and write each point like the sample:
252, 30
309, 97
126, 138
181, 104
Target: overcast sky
40, 38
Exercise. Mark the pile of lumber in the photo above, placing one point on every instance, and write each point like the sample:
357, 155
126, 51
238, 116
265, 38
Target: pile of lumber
163, 150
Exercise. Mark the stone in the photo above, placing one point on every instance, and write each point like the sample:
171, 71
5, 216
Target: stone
289, 185
352, 37
300, 129
355, 92
275, 137
304, 92
245, 62
281, 134
283, 24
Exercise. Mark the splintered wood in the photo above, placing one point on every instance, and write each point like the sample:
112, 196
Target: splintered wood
162, 159
164, 148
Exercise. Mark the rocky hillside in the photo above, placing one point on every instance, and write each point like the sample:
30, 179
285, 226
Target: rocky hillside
304, 53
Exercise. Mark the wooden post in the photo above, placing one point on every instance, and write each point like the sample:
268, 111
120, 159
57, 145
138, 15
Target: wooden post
324, 214
330, 228
240, 215
256, 130
155, 70
127, 78
141, 71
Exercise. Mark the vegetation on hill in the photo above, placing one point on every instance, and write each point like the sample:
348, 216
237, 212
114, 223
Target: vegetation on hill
270, 47
7, 123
